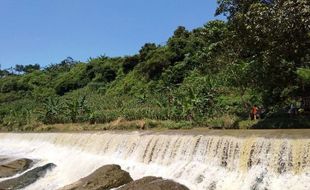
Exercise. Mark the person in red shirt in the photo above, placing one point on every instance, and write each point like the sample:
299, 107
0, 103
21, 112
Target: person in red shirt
254, 112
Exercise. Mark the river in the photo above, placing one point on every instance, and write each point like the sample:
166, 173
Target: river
211, 160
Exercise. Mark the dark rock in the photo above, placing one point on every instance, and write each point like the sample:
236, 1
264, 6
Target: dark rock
13, 167
27, 178
153, 183
104, 178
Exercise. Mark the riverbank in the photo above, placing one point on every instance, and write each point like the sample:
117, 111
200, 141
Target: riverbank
276, 123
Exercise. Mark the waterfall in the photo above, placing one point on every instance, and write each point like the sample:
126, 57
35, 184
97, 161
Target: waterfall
199, 161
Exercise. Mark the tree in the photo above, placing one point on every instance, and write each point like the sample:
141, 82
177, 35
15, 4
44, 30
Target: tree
209, 46
71, 80
64, 66
102, 70
129, 63
157, 61
19, 68
274, 36
146, 50
4, 73
30, 68
178, 43
195, 98
304, 76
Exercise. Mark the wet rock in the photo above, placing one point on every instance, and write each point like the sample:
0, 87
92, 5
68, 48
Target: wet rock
153, 183
3, 159
8, 169
104, 178
212, 186
27, 178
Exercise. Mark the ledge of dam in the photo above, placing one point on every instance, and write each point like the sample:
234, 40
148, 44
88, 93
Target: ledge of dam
263, 133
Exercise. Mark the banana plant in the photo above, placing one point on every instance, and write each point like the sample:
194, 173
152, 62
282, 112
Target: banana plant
52, 110
77, 109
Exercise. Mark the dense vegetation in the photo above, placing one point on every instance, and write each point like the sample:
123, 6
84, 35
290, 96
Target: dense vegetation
209, 76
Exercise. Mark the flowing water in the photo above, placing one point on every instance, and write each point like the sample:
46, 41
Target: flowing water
213, 161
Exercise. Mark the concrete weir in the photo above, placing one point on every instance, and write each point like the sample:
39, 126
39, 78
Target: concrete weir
217, 160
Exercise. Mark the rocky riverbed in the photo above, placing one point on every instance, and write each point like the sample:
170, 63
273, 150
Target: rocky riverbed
10, 167
112, 176
18, 174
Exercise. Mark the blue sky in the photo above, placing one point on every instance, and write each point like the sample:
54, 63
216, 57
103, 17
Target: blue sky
48, 31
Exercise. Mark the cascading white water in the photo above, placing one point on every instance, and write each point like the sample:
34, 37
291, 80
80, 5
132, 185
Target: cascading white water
213, 162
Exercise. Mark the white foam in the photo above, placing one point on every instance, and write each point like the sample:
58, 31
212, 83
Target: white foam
199, 162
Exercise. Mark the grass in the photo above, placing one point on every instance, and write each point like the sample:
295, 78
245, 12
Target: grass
223, 122
246, 124
112, 122
118, 124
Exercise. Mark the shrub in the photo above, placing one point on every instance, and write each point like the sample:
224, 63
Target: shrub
52, 111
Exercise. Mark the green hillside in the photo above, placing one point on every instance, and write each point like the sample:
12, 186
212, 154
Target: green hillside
210, 76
